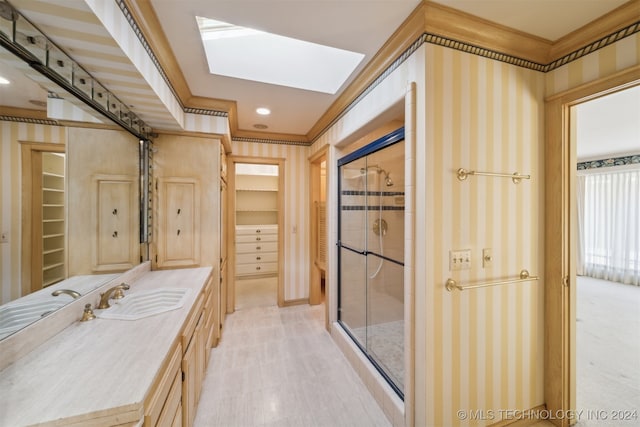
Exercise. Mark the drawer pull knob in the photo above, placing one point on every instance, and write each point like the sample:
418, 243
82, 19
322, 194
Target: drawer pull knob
258, 258
257, 231
258, 248
258, 239
257, 268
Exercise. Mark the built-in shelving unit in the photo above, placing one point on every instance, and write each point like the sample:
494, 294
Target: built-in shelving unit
256, 220
256, 199
53, 223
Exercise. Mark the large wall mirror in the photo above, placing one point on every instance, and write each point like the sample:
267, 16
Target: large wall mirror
70, 183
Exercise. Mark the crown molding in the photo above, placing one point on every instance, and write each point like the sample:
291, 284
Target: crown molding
469, 29
399, 42
619, 18
428, 23
28, 114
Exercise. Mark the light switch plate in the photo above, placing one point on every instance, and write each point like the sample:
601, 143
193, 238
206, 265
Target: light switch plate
487, 257
460, 259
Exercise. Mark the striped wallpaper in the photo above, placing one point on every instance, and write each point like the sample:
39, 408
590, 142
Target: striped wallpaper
10, 193
296, 206
484, 347
604, 62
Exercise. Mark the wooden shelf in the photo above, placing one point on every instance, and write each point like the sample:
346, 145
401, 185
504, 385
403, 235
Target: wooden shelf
52, 251
52, 266
50, 236
56, 175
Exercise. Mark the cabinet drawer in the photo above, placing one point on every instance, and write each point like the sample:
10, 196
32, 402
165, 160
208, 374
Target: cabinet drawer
256, 229
255, 258
243, 248
264, 268
162, 389
250, 238
172, 405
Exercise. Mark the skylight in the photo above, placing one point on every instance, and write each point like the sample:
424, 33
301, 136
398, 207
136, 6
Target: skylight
250, 54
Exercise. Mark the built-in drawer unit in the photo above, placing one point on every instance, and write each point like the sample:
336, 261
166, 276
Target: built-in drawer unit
256, 250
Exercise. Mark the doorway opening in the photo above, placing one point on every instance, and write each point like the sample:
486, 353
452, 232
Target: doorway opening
560, 258
44, 229
318, 227
257, 218
607, 248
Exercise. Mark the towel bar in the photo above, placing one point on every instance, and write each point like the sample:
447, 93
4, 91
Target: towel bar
524, 277
515, 177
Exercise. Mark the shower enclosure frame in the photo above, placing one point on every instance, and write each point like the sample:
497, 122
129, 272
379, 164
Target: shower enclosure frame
375, 146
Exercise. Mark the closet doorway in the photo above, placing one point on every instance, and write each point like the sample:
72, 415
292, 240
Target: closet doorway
257, 218
318, 231
44, 229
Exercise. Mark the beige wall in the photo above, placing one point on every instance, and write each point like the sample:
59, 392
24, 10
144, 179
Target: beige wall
92, 152
10, 189
603, 62
479, 349
199, 158
296, 211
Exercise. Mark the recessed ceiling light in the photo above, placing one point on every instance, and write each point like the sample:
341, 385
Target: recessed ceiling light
3, 81
263, 111
245, 53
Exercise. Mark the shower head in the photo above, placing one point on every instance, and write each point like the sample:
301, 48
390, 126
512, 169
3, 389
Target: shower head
388, 180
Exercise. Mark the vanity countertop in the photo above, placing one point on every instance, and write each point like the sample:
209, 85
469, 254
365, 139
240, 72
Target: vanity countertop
101, 369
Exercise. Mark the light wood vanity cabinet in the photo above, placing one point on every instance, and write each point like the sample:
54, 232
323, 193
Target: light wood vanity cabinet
163, 405
177, 392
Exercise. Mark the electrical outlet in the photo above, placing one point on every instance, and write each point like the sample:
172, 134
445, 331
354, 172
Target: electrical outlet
487, 258
4, 237
460, 259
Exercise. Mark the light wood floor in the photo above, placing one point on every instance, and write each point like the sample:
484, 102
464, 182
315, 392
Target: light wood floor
279, 367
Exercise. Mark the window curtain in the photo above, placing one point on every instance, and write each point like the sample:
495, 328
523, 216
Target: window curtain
608, 206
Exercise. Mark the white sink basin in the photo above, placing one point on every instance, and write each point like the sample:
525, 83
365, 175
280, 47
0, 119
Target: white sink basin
18, 315
146, 303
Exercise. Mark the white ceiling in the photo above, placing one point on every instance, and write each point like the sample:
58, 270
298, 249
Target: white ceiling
609, 126
356, 25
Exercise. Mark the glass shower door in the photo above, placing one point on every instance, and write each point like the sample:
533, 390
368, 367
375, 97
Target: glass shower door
371, 253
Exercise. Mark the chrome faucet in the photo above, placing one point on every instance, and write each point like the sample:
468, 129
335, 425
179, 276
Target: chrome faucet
116, 290
74, 294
